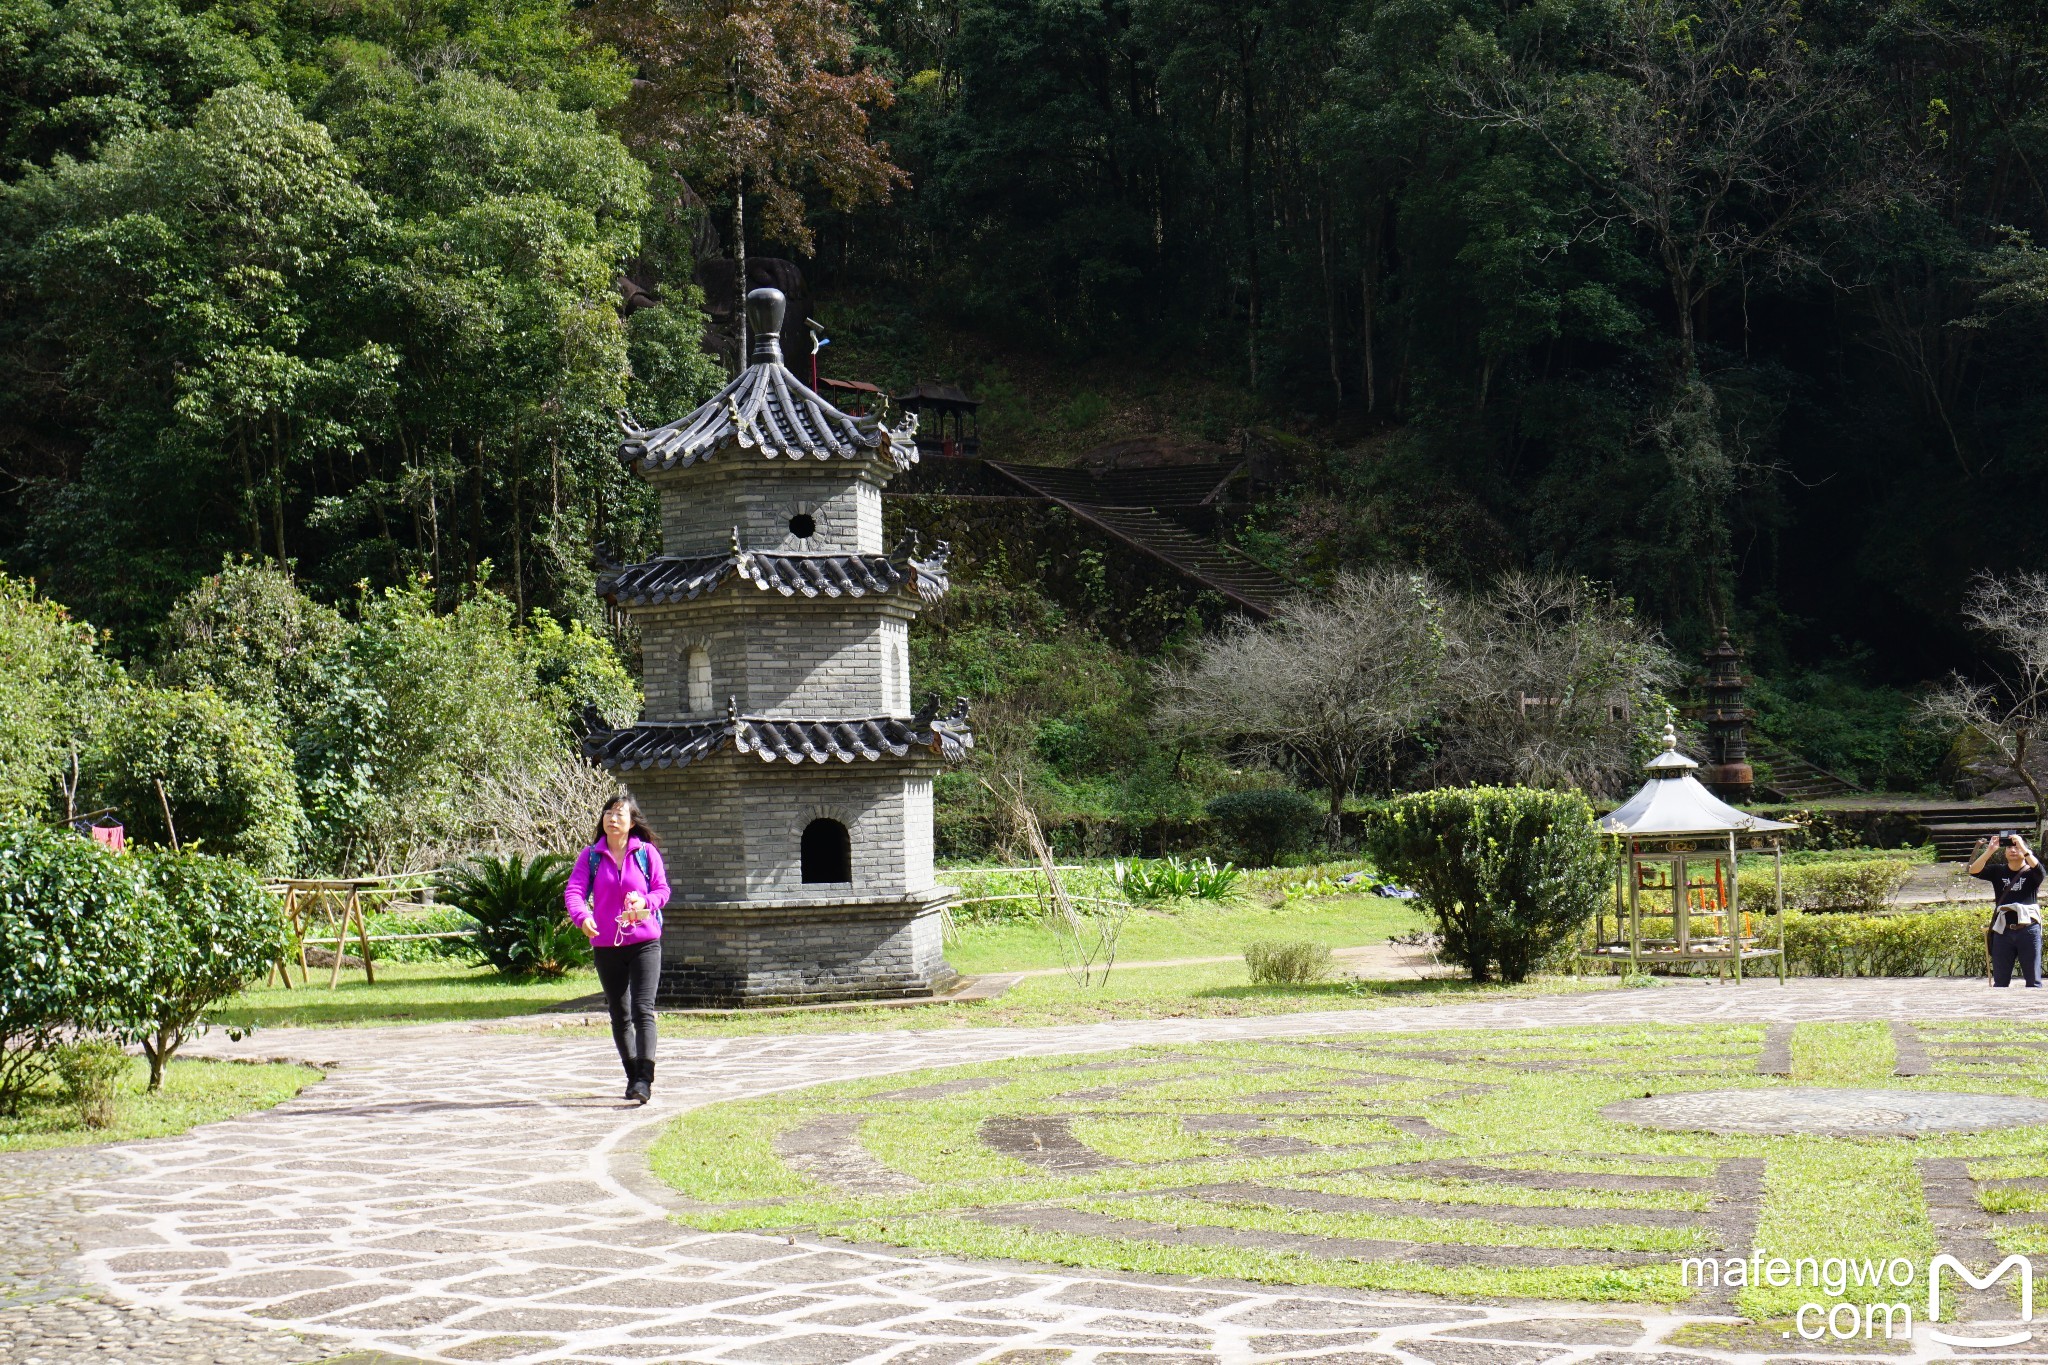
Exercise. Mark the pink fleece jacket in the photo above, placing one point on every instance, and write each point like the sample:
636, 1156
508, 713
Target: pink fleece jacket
595, 902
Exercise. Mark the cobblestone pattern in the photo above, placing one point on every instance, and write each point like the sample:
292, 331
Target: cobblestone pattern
50, 1316
457, 1193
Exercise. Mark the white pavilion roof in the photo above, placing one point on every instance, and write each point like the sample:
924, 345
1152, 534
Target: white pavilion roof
1674, 802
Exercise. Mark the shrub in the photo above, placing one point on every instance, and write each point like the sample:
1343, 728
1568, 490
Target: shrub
1943, 942
222, 772
91, 1071
76, 941
53, 682
1262, 825
1862, 884
1290, 962
221, 931
1508, 873
517, 904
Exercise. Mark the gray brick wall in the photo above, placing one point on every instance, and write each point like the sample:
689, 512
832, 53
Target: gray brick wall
700, 505
780, 656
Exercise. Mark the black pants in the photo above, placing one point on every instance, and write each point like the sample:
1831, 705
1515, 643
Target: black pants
2022, 944
629, 976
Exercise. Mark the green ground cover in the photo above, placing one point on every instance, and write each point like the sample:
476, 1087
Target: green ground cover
1192, 929
195, 1092
405, 993
444, 989
1465, 1163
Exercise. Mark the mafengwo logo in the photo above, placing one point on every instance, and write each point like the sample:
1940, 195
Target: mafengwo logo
1843, 1319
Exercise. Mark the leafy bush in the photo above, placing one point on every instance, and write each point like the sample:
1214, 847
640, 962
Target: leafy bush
1859, 884
91, 1071
1262, 825
1508, 873
1948, 941
221, 932
1170, 879
252, 634
517, 904
223, 773
437, 722
53, 682
78, 927
1286, 962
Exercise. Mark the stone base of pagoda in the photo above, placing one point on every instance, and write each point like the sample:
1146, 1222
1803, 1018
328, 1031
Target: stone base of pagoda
804, 951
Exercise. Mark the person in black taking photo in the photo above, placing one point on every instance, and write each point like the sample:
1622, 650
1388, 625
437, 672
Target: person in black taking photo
2015, 933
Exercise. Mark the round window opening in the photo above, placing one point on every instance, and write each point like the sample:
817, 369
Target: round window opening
803, 526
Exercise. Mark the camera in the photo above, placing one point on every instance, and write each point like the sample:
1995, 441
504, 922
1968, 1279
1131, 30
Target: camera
2006, 838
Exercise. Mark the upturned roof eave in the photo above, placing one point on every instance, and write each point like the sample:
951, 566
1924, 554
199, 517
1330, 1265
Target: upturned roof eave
1681, 805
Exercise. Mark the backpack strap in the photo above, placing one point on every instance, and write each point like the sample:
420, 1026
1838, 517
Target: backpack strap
646, 868
590, 876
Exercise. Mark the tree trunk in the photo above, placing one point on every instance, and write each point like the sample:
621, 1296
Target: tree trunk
739, 273
474, 555
249, 489
1371, 270
1251, 215
518, 541
1329, 300
277, 488
160, 1048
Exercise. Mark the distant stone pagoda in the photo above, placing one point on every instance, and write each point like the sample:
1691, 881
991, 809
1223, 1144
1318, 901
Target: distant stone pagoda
781, 762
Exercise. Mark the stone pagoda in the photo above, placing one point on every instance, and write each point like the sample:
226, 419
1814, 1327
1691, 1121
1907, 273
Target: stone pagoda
781, 762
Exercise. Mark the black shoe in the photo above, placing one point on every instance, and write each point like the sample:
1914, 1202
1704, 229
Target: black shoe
640, 1089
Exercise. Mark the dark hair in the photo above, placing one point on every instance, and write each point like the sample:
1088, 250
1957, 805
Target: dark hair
639, 820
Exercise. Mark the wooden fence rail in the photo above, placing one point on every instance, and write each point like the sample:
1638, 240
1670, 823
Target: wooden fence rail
319, 905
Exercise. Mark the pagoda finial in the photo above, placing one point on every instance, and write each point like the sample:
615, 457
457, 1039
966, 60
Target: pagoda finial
765, 309
1670, 729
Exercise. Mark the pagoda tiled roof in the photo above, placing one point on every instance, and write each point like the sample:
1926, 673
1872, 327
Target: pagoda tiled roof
767, 410
684, 578
676, 744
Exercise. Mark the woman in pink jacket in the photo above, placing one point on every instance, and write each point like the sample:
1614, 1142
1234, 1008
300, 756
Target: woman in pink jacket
615, 894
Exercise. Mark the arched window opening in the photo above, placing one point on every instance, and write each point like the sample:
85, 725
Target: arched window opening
827, 852
699, 675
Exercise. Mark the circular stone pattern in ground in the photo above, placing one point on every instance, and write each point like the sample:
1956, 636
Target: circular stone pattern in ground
1803, 1110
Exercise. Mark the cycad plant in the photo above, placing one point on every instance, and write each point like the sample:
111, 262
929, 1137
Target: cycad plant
517, 904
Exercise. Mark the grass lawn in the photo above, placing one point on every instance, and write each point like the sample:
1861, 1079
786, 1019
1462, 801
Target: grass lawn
1474, 1163
424, 992
405, 993
194, 1092
1194, 929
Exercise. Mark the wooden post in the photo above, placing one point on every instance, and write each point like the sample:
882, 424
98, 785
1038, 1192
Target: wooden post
1733, 910
340, 942
363, 936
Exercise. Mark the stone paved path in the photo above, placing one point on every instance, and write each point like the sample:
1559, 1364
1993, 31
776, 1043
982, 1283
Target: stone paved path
458, 1193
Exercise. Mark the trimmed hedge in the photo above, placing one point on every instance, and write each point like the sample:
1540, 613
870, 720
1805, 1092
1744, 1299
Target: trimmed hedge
77, 946
221, 932
1943, 942
1861, 885
1262, 825
1508, 873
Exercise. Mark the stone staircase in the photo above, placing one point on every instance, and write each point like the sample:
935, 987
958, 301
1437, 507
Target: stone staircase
1794, 779
1955, 830
1253, 588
